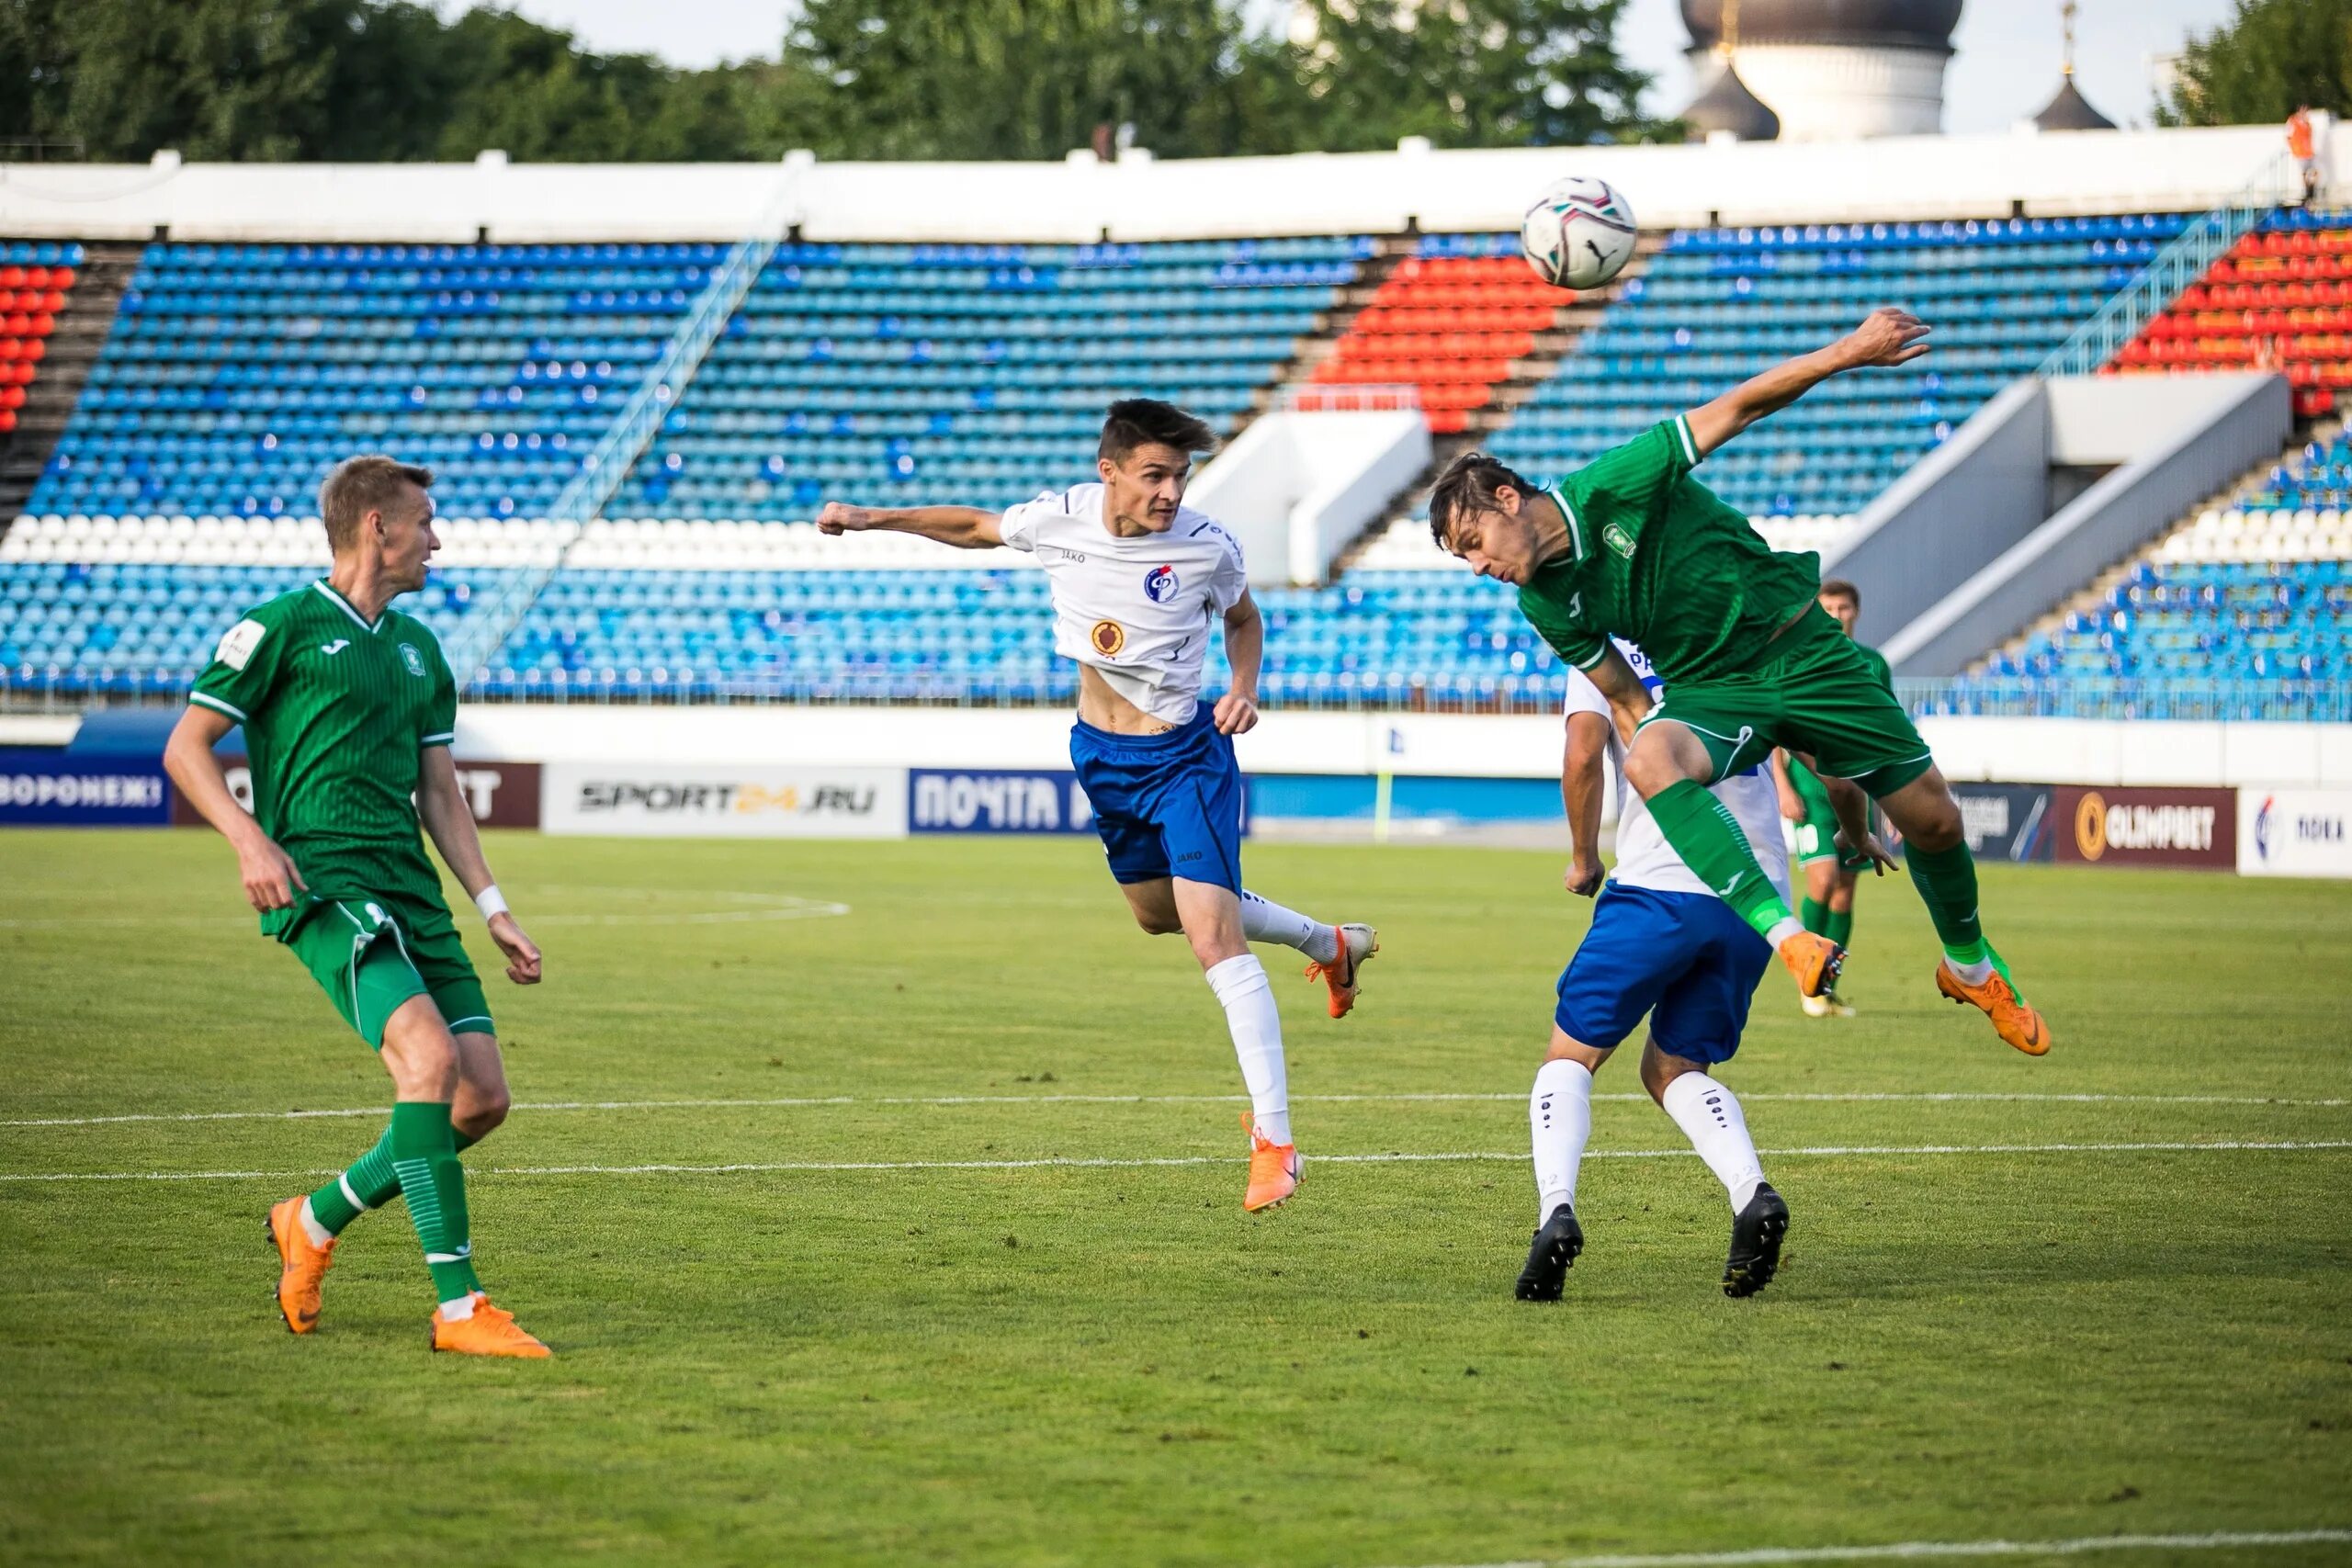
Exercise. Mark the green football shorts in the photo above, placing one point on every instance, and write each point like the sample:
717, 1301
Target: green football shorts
370, 954
1811, 691
1817, 833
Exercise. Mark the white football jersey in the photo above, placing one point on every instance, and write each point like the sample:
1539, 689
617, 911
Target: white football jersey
1139, 610
1644, 857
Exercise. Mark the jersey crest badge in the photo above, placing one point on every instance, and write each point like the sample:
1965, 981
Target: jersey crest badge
414, 659
1160, 583
1108, 638
236, 649
1617, 539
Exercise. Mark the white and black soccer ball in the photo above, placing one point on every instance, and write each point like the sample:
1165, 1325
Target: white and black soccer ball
1579, 233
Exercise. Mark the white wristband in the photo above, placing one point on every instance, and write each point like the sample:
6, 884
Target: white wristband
491, 901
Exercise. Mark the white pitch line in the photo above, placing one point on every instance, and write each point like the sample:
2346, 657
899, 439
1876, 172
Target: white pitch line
1904, 1551
790, 1101
1819, 1151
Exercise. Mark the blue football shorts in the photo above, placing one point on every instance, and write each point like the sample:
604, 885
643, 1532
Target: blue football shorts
1685, 959
1167, 805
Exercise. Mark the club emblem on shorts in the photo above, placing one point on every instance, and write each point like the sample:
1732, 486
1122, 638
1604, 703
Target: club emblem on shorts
1160, 582
1108, 638
1617, 539
414, 659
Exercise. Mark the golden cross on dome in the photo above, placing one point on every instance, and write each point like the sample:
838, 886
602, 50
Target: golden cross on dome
2066, 22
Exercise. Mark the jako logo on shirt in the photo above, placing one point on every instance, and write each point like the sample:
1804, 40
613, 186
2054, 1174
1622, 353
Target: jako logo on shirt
1160, 582
414, 659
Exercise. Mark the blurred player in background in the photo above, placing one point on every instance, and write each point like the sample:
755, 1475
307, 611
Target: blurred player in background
1662, 944
349, 711
1632, 546
1831, 872
1139, 582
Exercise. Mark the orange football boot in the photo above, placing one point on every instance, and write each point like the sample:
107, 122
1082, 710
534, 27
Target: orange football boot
489, 1332
1814, 960
1357, 944
1273, 1168
301, 1265
2013, 1019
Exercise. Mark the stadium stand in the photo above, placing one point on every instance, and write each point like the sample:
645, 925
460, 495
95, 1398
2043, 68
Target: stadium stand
1451, 320
35, 280
971, 373
2280, 298
1718, 305
236, 374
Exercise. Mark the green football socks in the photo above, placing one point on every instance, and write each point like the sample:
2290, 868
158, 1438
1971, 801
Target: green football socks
370, 1183
1707, 836
1815, 915
1946, 883
1838, 926
424, 1157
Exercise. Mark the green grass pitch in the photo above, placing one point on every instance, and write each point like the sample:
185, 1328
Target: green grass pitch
2055, 1318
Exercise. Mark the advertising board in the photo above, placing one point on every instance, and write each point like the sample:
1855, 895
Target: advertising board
499, 794
2295, 832
2121, 825
782, 802
942, 800
40, 788
2008, 821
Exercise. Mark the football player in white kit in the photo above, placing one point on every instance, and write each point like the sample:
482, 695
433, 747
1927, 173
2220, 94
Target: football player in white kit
1663, 943
1138, 581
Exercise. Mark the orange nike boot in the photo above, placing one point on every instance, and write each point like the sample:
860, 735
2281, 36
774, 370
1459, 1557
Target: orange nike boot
302, 1264
1814, 960
488, 1332
1273, 1168
2013, 1019
1357, 944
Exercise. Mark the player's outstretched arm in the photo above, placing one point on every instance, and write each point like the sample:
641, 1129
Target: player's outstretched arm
1245, 649
268, 872
1888, 336
441, 807
1629, 700
966, 528
1580, 777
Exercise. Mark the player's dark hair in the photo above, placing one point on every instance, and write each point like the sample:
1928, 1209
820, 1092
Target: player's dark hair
1147, 422
1839, 588
361, 485
1469, 484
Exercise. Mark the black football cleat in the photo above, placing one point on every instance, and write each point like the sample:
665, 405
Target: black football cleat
1554, 1248
1756, 1244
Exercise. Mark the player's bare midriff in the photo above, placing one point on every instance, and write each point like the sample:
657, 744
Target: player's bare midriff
1104, 708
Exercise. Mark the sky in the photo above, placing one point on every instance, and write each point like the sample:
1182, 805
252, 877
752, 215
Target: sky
2006, 66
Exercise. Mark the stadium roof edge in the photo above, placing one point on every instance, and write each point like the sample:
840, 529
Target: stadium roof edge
1078, 201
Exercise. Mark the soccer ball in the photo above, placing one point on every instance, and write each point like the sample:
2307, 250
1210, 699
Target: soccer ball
1579, 233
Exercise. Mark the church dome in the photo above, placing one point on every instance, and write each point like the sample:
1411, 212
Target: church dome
2072, 111
1728, 106
1885, 24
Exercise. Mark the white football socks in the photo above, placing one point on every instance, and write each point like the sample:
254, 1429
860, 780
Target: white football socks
320, 1235
1710, 1116
1559, 1123
1262, 920
1248, 998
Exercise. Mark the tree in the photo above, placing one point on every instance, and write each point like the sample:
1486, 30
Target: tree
2270, 57
1462, 73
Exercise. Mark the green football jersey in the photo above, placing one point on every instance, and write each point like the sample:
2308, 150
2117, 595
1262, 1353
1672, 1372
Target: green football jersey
1877, 661
1658, 559
336, 714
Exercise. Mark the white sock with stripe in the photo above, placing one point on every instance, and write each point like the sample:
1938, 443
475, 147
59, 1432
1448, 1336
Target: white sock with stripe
1248, 998
1559, 1123
1710, 1116
1264, 920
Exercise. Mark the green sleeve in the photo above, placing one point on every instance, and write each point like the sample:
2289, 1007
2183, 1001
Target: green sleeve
1577, 645
1877, 661
441, 713
1612, 499
244, 668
